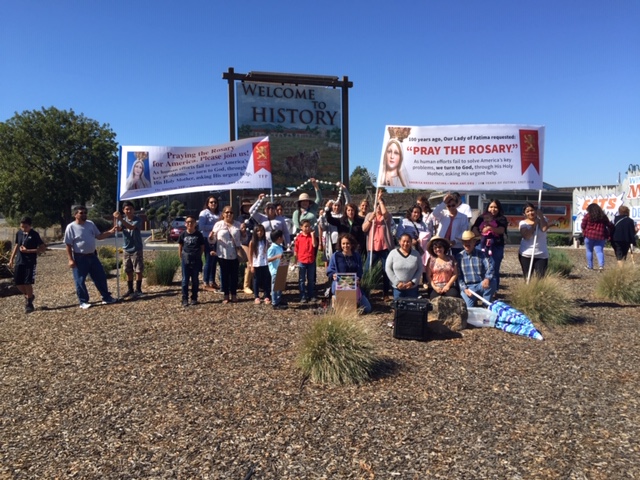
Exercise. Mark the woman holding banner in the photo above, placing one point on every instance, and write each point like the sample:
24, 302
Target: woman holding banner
228, 234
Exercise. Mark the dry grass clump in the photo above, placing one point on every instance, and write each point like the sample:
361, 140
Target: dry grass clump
163, 269
338, 349
545, 300
621, 284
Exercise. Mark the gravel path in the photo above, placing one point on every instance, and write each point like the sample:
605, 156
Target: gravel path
147, 389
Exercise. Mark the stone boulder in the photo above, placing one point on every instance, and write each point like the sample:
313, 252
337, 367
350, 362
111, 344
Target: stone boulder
449, 316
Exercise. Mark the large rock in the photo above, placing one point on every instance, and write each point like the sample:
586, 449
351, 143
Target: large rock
449, 315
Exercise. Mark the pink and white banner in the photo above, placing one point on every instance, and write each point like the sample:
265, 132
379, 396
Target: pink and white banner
463, 157
147, 171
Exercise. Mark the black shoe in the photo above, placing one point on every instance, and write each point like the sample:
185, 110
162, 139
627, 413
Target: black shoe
194, 302
280, 306
185, 302
128, 294
29, 308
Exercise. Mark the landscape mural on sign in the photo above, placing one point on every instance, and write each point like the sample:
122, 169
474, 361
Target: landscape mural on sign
304, 125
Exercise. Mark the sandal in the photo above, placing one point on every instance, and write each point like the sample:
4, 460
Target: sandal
257, 301
226, 300
267, 300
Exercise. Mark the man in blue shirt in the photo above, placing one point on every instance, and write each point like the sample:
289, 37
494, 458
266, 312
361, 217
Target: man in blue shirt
475, 271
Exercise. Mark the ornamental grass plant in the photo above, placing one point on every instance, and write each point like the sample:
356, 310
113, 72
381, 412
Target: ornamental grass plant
371, 278
559, 263
620, 284
338, 349
163, 269
544, 300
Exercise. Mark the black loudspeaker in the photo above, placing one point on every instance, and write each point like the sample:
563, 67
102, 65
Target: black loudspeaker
410, 321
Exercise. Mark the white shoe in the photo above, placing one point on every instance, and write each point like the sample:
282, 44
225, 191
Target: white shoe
85, 305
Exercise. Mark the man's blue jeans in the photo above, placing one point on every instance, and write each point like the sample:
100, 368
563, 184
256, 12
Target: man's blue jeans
477, 288
89, 265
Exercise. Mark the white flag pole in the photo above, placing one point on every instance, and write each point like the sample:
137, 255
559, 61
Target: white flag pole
535, 239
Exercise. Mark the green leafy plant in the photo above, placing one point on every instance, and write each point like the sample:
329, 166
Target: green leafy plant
338, 349
163, 269
621, 284
544, 300
558, 240
559, 263
371, 279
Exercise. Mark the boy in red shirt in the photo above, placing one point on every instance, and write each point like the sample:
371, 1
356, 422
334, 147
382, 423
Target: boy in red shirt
305, 250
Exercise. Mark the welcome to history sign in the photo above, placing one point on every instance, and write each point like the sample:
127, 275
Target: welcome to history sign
463, 157
148, 171
304, 125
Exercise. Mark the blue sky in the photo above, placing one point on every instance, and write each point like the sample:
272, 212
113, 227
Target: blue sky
153, 69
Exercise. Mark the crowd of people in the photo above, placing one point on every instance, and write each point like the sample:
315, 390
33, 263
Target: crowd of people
439, 250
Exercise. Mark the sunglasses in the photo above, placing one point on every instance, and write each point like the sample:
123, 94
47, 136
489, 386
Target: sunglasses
227, 213
451, 205
212, 201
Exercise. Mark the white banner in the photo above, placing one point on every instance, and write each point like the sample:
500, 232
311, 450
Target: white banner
463, 157
147, 171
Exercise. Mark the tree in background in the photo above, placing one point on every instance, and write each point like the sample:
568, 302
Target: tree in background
360, 179
53, 159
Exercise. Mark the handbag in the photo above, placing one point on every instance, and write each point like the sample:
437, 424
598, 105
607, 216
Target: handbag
240, 251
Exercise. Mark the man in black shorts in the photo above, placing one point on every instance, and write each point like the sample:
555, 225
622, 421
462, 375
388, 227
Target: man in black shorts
25, 253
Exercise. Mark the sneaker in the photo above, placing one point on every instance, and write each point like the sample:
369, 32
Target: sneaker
304, 300
194, 302
138, 294
313, 299
128, 294
109, 301
85, 305
29, 308
588, 268
280, 307
185, 302
257, 301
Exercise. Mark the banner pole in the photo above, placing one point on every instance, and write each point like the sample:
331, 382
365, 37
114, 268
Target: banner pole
535, 240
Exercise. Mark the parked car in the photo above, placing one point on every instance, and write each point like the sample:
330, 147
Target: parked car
176, 227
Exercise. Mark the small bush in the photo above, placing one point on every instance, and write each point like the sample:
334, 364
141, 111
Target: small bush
544, 300
559, 263
163, 269
621, 284
558, 240
106, 251
338, 349
371, 279
109, 264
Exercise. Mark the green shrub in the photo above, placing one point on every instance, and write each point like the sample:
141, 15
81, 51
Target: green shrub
106, 251
163, 269
559, 263
371, 279
621, 284
544, 300
109, 264
558, 239
338, 349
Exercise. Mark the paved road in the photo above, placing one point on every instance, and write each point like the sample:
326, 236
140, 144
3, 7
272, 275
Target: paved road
146, 238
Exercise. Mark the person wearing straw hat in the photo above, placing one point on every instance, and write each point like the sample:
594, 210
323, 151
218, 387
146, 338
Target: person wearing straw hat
307, 210
475, 271
442, 270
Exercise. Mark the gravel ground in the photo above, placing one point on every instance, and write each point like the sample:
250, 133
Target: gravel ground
148, 389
